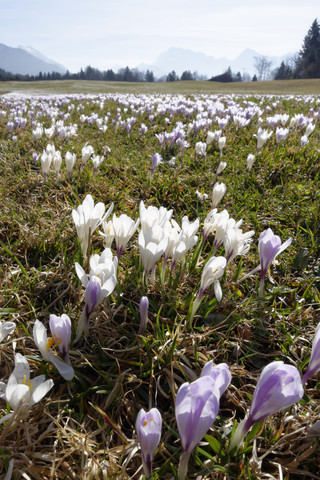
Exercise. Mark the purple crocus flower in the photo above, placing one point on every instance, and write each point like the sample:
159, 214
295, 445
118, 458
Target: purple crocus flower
143, 310
148, 427
220, 374
269, 248
278, 387
156, 159
10, 126
61, 329
314, 363
35, 157
196, 408
92, 295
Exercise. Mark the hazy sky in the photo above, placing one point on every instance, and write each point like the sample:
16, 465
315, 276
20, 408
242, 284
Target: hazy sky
109, 33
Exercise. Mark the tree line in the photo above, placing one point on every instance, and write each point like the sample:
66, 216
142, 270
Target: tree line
306, 64
89, 73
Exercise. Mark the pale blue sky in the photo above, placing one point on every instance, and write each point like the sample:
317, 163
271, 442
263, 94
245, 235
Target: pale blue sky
108, 33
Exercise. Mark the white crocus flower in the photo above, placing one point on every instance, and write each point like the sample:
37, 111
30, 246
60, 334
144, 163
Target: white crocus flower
46, 346
210, 138
50, 149
21, 391
123, 228
250, 161
173, 233
201, 149
209, 223
107, 234
212, 272
219, 189
221, 167
201, 195
97, 162
99, 284
86, 151
221, 144
309, 129
37, 133
57, 160
187, 240
5, 329
219, 228
104, 267
236, 243
70, 160
152, 245
304, 140
45, 161
87, 218
151, 216
49, 132
262, 137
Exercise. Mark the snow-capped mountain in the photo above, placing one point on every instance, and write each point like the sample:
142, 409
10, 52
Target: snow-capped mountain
27, 61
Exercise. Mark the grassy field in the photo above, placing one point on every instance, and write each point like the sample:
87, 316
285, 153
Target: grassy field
85, 428
275, 87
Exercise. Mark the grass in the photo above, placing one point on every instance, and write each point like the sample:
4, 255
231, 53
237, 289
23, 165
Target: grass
85, 428
274, 87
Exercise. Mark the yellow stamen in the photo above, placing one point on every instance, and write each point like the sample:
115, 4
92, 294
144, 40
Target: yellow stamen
145, 423
53, 342
27, 383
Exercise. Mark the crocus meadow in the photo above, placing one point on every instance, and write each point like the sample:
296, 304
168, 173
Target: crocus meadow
135, 337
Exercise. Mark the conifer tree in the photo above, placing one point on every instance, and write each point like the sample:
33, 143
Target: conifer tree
308, 61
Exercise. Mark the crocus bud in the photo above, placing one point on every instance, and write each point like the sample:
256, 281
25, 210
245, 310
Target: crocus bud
143, 309
212, 272
221, 167
201, 149
156, 159
35, 158
314, 363
148, 427
61, 329
197, 406
92, 295
250, 161
218, 192
45, 161
220, 374
70, 160
304, 140
221, 143
278, 387
309, 129
210, 138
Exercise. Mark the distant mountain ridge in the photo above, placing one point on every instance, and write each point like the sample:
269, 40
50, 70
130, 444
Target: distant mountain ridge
181, 59
27, 61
